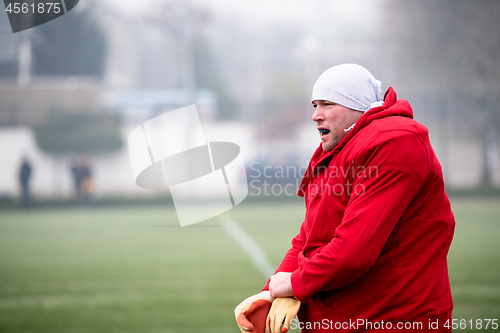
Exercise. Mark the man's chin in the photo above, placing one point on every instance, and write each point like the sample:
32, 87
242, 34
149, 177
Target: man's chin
328, 146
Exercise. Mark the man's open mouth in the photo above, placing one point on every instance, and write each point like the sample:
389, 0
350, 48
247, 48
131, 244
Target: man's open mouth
324, 131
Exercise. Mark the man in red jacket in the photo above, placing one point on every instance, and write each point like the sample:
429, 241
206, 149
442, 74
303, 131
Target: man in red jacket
371, 252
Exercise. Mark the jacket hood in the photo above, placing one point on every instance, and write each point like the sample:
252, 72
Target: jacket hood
391, 107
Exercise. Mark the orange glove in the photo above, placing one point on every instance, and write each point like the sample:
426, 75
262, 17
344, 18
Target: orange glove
251, 314
284, 309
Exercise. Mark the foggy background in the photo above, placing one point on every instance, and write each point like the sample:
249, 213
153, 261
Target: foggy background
78, 85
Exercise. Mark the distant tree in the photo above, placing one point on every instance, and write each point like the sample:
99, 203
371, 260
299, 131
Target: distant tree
93, 133
188, 25
451, 50
208, 76
73, 44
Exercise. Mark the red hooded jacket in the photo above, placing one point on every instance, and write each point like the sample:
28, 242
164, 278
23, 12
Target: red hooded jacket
377, 230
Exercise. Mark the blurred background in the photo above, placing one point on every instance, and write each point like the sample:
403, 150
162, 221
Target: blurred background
72, 90
79, 84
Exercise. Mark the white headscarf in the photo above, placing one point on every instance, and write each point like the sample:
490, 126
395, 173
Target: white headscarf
350, 85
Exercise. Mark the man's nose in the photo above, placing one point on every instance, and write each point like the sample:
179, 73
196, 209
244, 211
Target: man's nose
317, 115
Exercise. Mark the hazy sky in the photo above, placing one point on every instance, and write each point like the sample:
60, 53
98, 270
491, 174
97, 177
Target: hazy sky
366, 12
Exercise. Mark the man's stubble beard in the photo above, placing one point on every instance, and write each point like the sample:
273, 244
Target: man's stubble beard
329, 146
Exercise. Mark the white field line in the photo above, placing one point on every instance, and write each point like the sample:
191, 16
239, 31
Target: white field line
250, 246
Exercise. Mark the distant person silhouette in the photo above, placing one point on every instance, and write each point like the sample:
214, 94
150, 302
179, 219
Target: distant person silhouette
24, 178
82, 177
86, 183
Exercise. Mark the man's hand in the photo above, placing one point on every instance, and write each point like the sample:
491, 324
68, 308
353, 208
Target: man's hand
251, 314
281, 285
284, 309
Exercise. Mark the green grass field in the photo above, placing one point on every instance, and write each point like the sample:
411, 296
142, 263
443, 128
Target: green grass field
135, 270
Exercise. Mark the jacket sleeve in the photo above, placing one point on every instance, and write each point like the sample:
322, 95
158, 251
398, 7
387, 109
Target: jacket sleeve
376, 205
290, 261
